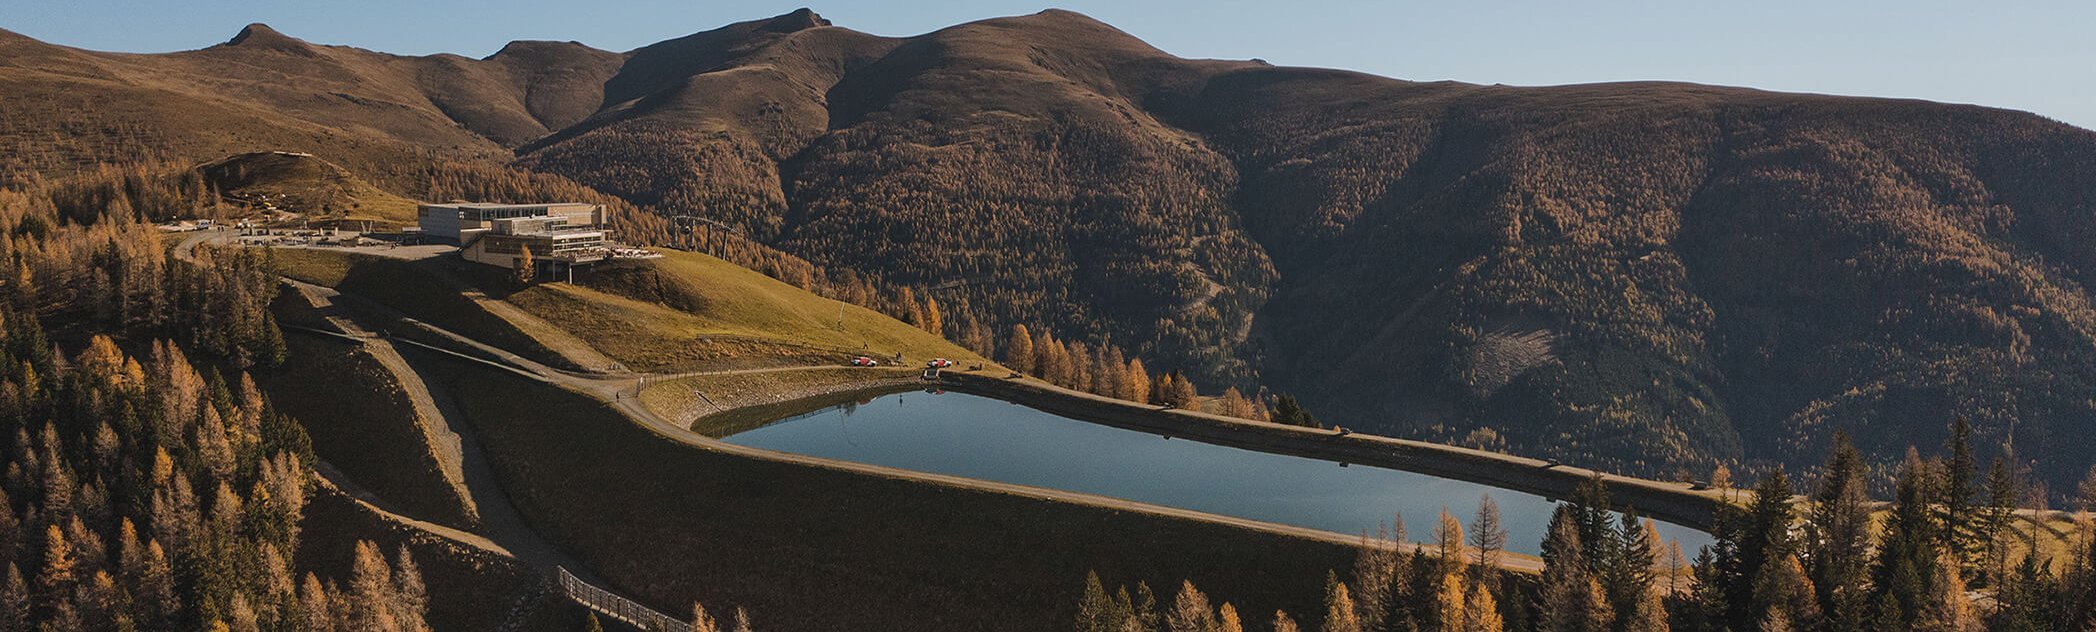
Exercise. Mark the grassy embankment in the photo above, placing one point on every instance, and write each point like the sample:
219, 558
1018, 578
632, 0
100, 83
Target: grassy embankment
414, 289
692, 312
723, 404
812, 548
360, 419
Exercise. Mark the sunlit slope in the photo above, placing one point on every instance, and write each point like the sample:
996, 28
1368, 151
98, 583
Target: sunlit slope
690, 311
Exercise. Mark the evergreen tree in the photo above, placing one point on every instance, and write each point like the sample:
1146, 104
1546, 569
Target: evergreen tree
1339, 607
701, 621
1947, 608
1227, 619
1450, 601
1563, 599
1481, 611
1630, 579
1095, 613
410, 596
1288, 411
1282, 622
1135, 382
371, 587
1602, 548
1018, 350
1960, 531
742, 621
1908, 552
1379, 571
2004, 494
1144, 613
1838, 537
1190, 611
14, 600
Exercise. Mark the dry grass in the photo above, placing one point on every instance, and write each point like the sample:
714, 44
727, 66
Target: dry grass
690, 312
725, 403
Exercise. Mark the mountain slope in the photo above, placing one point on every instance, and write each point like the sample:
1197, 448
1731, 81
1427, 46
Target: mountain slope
1643, 275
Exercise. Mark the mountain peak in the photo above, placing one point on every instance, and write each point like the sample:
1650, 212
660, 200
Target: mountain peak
259, 35
799, 20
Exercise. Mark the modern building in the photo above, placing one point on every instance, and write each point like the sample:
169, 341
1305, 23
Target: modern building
459, 222
557, 235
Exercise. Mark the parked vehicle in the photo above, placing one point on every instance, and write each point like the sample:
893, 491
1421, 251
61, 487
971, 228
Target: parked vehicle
939, 363
865, 361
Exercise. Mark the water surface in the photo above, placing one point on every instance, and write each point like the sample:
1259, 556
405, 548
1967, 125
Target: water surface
989, 439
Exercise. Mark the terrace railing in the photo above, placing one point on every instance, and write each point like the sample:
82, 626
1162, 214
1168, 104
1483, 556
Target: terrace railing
624, 610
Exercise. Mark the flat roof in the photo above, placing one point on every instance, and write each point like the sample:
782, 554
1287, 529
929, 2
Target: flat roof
495, 206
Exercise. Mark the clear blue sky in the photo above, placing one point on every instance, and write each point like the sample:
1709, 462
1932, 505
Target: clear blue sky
2035, 55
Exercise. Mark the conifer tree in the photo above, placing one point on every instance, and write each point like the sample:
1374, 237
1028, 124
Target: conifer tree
2004, 495
1947, 608
1563, 597
410, 596
1481, 611
1379, 572
1489, 538
1909, 551
1960, 530
742, 621
1227, 619
1144, 613
934, 323
1450, 602
1136, 383
1018, 350
1190, 611
14, 600
55, 583
1283, 623
1630, 578
1339, 607
1838, 537
1649, 614
1449, 551
371, 587
701, 621
1095, 611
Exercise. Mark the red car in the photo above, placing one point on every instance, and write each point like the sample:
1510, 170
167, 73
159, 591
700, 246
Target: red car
939, 363
865, 361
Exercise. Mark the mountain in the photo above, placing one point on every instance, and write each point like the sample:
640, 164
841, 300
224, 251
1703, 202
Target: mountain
1645, 275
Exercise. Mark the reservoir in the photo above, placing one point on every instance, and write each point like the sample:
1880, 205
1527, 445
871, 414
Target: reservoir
978, 437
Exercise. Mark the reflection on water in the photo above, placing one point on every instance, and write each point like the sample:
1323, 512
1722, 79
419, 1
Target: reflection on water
989, 439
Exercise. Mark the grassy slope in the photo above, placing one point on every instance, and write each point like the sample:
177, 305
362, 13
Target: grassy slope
654, 315
411, 288
361, 422
309, 185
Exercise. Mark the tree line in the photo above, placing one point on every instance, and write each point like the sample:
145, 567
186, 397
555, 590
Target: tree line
1947, 554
